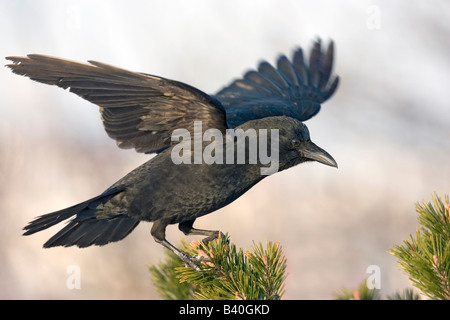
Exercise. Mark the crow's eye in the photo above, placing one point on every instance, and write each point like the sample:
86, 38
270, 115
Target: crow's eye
295, 143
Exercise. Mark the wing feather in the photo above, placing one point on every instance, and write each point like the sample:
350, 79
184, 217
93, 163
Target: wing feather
138, 110
295, 89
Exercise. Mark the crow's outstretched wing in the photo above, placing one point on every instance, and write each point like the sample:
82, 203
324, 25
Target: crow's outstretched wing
138, 110
293, 88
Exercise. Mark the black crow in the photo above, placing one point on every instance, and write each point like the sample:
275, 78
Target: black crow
262, 112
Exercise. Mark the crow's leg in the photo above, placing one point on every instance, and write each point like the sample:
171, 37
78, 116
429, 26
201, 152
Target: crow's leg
187, 228
188, 260
159, 234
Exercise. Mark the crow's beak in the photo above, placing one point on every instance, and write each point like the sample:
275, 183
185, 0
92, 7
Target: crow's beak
313, 152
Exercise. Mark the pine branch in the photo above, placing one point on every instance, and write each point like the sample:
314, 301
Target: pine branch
229, 273
425, 258
364, 293
259, 273
361, 293
165, 278
407, 294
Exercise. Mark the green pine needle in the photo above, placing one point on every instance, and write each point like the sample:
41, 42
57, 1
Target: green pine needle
361, 293
364, 293
230, 273
425, 258
407, 294
165, 278
259, 273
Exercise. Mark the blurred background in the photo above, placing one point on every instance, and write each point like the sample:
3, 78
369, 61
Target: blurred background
388, 127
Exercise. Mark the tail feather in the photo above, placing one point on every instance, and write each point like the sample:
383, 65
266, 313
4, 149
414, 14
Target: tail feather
88, 227
93, 231
47, 220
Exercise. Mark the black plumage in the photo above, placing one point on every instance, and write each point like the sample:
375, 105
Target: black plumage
142, 111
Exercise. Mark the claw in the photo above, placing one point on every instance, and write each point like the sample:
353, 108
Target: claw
189, 261
216, 235
200, 258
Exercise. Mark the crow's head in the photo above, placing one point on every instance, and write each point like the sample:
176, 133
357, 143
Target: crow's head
294, 143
